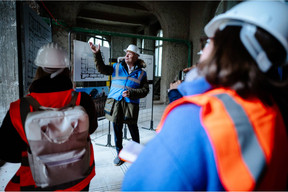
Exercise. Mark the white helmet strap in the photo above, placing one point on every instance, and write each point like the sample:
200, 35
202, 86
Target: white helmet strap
247, 36
53, 71
56, 73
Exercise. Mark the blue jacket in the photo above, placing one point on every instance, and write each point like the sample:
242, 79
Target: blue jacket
163, 165
173, 95
182, 157
121, 81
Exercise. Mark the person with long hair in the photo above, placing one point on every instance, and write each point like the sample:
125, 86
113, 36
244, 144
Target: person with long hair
53, 88
229, 130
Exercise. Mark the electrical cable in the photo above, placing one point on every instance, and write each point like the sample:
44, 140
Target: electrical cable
43, 4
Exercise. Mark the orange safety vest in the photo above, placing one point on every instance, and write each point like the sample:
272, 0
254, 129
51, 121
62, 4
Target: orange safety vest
23, 178
248, 138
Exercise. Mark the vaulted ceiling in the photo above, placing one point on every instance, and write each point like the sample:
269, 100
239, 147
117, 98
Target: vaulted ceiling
129, 14
116, 13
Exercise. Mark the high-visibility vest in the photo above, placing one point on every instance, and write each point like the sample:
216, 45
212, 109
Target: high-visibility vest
121, 80
248, 138
23, 179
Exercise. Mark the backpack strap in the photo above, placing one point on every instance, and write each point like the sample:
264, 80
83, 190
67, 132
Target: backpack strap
25, 103
74, 98
33, 102
72, 103
24, 110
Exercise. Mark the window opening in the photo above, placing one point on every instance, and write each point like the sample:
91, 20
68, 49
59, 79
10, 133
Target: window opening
99, 40
158, 54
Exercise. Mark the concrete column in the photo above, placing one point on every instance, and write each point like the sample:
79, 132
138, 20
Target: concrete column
9, 78
201, 13
174, 19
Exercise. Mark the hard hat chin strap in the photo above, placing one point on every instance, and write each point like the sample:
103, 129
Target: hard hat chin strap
53, 71
247, 36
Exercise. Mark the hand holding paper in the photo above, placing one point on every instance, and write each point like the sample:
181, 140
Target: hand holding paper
130, 151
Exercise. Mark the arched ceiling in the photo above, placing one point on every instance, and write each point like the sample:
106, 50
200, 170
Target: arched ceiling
130, 14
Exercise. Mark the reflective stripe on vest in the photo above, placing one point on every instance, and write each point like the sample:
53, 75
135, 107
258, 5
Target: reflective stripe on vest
124, 81
250, 127
24, 174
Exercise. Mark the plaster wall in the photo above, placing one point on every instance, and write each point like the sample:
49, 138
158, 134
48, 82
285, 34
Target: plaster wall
9, 86
174, 21
201, 13
119, 44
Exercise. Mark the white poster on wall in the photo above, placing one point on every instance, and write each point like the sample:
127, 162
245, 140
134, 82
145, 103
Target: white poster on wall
84, 65
149, 65
146, 103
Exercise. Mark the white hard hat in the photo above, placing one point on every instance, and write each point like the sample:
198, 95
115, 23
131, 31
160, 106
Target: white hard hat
268, 15
52, 55
133, 48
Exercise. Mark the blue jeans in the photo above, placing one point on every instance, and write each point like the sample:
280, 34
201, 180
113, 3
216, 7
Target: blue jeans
118, 134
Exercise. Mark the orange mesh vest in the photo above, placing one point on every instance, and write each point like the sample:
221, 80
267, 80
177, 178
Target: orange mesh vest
23, 177
248, 138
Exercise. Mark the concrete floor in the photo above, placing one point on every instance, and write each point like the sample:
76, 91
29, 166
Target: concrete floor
108, 177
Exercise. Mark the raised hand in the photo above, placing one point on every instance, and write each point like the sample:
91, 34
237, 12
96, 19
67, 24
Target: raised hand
94, 49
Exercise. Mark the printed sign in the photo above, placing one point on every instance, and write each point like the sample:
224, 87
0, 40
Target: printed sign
99, 96
84, 65
146, 102
149, 65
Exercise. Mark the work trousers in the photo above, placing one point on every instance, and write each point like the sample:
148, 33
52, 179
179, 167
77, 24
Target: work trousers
118, 134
